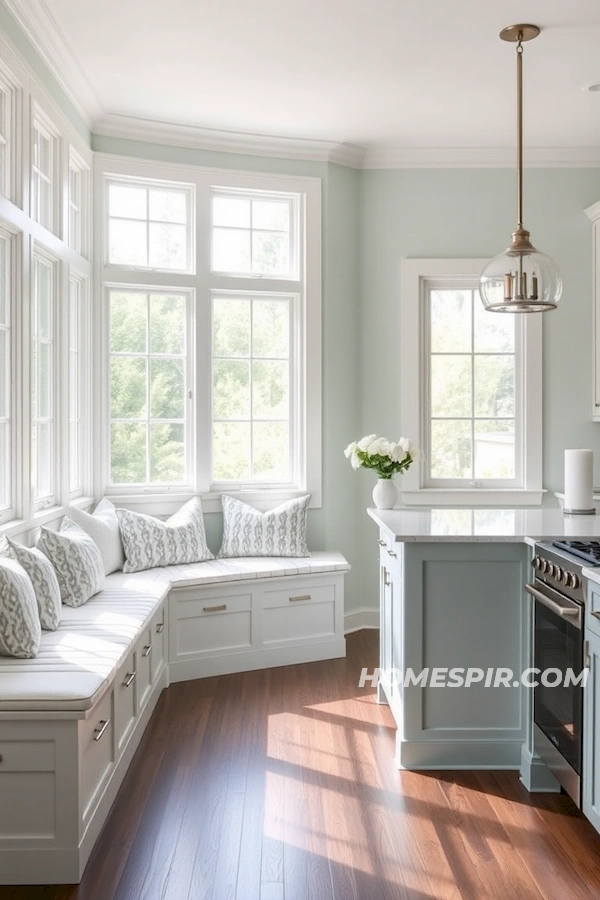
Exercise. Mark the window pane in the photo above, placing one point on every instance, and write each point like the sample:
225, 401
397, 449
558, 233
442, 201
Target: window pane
270, 252
231, 327
270, 390
4, 374
168, 246
450, 321
128, 202
45, 204
128, 387
128, 322
451, 386
231, 211
128, 453
273, 215
73, 385
231, 389
43, 365
74, 457
167, 389
43, 289
494, 385
271, 451
231, 451
271, 328
4, 283
231, 250
167, 453
451, 451
127, 243
5, 498
167, 323
495, 334
495, 448
43, 154
41, 439
167, 206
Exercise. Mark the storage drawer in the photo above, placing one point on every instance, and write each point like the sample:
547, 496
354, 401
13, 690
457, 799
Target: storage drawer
124, 691
143, 655
593, 611
27, 789
26, 756
212, 623
323, 593
96, 752
299, 614
158, 655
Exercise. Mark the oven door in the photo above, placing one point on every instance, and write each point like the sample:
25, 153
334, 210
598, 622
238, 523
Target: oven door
558, 644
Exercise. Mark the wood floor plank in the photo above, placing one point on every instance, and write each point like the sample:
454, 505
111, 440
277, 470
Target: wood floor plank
281, 785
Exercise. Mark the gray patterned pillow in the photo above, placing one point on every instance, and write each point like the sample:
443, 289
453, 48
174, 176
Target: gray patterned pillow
20, 630
278, 532
76, 560
45, 583
149, 542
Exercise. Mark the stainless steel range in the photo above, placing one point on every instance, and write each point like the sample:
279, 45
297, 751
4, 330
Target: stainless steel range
559, 593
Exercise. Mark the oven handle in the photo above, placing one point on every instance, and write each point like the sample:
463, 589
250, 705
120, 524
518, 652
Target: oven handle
573, 611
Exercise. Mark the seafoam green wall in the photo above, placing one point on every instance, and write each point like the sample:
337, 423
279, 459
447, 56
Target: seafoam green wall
470, 213
337, 525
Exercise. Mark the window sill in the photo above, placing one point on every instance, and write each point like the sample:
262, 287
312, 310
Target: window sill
165, 504
473, 497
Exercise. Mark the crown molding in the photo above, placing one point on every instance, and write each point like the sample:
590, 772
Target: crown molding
41, 29
135, 128
380, 156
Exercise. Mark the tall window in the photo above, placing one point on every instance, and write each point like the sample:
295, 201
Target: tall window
471, 389
7, 98
75, 385
148, 396
212, 282
43, 460
43, 152
6, 488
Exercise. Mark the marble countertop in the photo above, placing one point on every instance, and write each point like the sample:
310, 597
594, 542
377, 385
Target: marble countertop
444, 525
593, 574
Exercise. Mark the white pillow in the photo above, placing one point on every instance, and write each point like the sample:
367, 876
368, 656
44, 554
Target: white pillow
278, 532
76, 560
44, 581
150, 542
103, 527
20, 629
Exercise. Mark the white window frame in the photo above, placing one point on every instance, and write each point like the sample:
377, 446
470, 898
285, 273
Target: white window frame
419, 276
11, 464
204, 282
42, 123
79, 243
41, 254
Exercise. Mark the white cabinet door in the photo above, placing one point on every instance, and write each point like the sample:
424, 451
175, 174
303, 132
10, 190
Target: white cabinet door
591, 734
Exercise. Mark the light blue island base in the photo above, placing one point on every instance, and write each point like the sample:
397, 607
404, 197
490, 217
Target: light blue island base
458, 605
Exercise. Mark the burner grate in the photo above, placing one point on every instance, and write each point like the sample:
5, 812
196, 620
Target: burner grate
587, 550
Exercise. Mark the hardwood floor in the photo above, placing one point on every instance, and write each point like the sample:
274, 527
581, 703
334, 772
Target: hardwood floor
280, 785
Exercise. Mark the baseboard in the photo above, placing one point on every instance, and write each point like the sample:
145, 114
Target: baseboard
364, 617
457, 754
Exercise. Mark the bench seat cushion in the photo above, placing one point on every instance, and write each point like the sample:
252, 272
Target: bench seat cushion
223, 570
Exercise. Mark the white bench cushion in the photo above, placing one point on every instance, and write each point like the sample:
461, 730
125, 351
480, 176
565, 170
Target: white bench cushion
77, 661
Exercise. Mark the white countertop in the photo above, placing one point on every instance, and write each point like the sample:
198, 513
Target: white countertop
484, 525
593, 574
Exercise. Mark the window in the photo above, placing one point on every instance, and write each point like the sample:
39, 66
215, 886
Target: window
470, 387
43, 162
149, 227
77, 197
43, 457
75, 386
251, 399
7, 99
212, 283
6, 499
148, 391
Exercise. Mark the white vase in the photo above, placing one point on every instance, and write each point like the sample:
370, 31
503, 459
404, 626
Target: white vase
385, 493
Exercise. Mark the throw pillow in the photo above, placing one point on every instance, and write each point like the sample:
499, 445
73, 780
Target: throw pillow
150, 542
279, 532
76, 560
44, 581
20, 629
103, 527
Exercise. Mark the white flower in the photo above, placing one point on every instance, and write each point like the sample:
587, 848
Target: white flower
398, 453
350, 450
355, 461
376, 448
364, 442
405, 444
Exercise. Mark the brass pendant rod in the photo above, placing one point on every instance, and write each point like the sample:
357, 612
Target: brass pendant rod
520, 131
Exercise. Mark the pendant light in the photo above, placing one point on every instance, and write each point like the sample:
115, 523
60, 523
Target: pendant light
520, 280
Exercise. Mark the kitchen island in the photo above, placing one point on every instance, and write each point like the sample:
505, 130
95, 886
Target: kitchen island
452, 596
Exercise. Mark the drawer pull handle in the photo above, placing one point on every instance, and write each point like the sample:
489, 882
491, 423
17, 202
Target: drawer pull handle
392, 553
301, 597
1, 757
160, 627
220, 608
129, 679
596, 615
147, 650
98, 732
381, 543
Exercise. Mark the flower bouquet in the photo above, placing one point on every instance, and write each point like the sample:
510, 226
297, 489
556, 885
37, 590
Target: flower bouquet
386, 458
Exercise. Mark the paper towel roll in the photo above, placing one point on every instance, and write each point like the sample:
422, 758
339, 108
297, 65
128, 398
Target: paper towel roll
579, 481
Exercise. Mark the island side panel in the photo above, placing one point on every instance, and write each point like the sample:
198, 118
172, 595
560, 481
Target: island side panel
463, 606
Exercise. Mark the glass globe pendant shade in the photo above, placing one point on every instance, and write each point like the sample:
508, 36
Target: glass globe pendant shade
520, 280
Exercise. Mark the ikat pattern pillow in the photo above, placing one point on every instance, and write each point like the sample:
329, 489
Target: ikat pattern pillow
278, 532
44, 581
76, 560
20, 629
150, 542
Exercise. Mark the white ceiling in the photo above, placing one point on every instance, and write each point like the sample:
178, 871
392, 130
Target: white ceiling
404, 73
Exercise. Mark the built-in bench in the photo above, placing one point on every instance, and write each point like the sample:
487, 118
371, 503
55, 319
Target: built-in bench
71, 719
